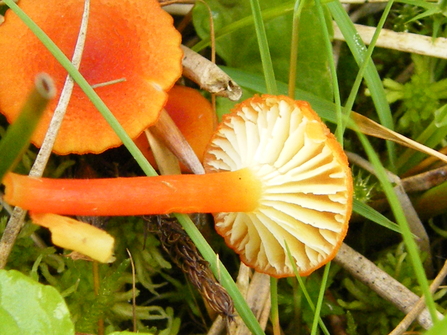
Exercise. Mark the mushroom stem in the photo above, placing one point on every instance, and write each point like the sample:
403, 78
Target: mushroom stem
235, 191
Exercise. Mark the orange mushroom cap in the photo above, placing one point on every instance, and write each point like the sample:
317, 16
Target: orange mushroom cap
134, 39
307, 190
193, 115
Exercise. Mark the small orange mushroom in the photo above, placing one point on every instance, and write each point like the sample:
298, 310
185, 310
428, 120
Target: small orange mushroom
281, 178
193, 115
134, 40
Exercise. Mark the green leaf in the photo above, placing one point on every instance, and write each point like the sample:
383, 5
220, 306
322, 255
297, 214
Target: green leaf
431, 136
28, 307
324, 108
373, 215
239, 47
313, 74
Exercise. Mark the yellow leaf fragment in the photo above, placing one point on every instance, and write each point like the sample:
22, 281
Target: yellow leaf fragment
78, 236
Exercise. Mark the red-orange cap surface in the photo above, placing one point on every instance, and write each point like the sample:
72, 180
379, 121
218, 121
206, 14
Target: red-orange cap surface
133, 39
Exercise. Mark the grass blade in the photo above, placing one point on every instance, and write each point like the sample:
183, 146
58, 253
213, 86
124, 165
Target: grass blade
267, 64
18, 135
372, 78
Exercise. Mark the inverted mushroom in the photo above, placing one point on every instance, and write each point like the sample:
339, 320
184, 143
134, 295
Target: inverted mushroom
133, 40
280, 178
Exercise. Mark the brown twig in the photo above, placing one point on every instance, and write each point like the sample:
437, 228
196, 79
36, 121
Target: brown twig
415, 224
426, 180
209, 76
166, 131
420, 305
380, 282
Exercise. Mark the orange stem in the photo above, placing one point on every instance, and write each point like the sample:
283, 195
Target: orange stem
236, 191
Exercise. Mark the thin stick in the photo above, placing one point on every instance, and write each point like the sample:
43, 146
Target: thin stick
406, 42
134, 293
416, 226
420, 305
425, 180
96, 288
107, 83
16, 220
167, 131
382, 283
209, 76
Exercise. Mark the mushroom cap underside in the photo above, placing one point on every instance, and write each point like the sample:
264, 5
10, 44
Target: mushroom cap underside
306, 200
133, 40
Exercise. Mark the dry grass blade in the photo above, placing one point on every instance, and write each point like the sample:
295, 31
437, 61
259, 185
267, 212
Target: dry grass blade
166, 161
255, 288
425, 164
407, 42
369, 127
258, 298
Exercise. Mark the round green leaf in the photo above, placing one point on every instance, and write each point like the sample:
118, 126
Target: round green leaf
28, 307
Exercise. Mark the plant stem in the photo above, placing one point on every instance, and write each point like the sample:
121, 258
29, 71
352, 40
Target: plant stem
274, 314
17, 138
